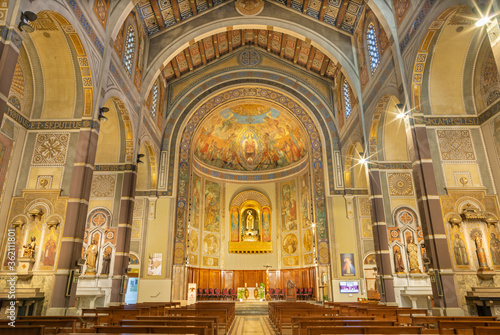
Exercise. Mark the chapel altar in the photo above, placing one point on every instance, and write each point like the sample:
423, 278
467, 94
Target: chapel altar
254, 293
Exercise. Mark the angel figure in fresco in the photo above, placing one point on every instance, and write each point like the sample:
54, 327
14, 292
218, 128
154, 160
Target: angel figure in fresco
460, 251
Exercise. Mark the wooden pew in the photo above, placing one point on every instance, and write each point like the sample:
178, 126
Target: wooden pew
213, 319
174, 323
486, 330
363, 330
196, 330
432, 321
50, 326
465, 327
21, 330
222, 314
296, 320
81, 321
303, 325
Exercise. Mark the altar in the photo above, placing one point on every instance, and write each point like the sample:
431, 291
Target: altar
254, 293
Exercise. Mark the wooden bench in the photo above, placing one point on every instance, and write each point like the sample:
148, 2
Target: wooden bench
465, 327
432, 321
363, 330
486, 330
21, 330
196, 330
81, 321
174, 323
50, 326
296, 320
213, 319
222, 314
303, 325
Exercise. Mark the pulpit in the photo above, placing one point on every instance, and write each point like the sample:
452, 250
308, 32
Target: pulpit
291, 291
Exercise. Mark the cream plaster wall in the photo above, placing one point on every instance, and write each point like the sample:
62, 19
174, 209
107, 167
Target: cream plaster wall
346, 239
395, 146
250, 261
108, 144
447, 69
58, 74
157, 239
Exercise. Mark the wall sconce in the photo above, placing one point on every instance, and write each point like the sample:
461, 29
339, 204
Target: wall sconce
36, 213
53, 222
101, 116
26, 18
139, 156
400, 108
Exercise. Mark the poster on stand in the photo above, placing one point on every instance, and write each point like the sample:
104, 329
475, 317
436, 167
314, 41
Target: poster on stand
191, 293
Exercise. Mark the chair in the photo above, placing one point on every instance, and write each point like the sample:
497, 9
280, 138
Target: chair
310, 293
271, 292
232, 293
282, 294
225, 293
297, 292
210, 293
217, 294
303, 293
204, 293
199, 293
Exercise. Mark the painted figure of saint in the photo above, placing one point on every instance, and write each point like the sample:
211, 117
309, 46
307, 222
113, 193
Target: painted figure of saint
495, 249
49, 252
412, 250
460, 252
91, 254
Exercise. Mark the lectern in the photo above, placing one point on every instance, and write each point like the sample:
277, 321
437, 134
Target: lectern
291, 291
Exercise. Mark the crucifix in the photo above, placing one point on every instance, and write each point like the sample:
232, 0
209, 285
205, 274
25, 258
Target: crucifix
268, 297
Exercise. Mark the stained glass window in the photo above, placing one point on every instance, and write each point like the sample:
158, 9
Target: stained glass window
128, 55
154, 99
371, 41
347, 99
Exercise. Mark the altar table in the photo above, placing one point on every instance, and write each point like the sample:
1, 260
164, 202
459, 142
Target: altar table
261, 293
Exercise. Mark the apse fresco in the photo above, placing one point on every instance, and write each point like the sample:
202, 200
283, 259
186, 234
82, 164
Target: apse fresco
250, 137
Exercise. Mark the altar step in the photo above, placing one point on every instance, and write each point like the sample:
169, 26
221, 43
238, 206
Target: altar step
251, 308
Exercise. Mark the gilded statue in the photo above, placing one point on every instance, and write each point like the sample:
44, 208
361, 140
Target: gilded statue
481, 255
250, 221
29, 249
91, 253
412, 250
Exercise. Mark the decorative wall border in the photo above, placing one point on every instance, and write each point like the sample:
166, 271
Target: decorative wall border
51, 125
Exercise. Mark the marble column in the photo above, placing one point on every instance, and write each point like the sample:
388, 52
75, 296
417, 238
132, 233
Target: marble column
76, 214
431, 216
123, 235
380, 237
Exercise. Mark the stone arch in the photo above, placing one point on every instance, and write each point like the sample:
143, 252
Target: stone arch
61, 31
195, 112
421, 61
322, 116
147, 175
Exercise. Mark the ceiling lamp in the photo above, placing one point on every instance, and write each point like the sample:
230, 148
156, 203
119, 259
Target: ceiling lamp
26, 18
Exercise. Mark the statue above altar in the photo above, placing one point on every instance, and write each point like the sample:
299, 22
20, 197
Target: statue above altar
250, 213
249, 231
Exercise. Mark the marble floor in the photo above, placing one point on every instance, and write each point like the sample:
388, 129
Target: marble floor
252, 325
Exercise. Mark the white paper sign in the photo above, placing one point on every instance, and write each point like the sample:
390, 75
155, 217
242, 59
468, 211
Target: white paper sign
191, 293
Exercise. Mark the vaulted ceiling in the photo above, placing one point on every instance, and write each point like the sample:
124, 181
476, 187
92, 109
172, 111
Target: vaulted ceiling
158, 15
290, 48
